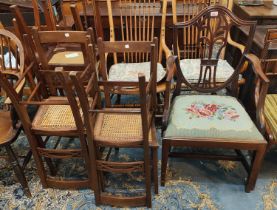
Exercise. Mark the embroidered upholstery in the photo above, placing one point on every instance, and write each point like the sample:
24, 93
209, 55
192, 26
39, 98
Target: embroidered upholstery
210, 116
270, 111
129, 71
67, 57
191, 70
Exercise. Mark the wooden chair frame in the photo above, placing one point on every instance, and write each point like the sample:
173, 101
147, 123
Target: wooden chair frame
14, 47
257, 146
147, 104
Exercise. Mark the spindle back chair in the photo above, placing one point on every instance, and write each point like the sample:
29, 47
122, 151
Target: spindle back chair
11, 68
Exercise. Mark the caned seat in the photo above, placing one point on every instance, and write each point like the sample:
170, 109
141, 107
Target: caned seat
130, 71
128, 131
270, 112
210, 116
6, 128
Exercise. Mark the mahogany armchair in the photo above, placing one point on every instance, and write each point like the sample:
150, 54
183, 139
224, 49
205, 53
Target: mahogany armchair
135, 130
208, 120
55, 116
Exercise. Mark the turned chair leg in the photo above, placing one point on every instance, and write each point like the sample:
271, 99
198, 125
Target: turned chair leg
255, 168
18, 171
165, 153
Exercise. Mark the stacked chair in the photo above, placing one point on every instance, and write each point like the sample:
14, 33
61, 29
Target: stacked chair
69, 79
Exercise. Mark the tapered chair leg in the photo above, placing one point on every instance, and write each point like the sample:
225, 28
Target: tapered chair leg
165, 152
255, 168
18, 171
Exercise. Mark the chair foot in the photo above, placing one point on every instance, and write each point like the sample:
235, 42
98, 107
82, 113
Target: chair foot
165, 152
18, 171
255, 168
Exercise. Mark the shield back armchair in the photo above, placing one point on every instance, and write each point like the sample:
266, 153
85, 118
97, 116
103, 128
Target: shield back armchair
208, 120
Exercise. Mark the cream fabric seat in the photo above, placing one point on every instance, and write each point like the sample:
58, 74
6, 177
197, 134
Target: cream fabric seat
130, 71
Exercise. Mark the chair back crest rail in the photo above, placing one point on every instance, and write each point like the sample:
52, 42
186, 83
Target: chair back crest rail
48, 43
211, 28
137, 19
123, 47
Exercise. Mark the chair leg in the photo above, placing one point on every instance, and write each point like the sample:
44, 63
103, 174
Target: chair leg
165, 152
18, 171
147, 178
27, 159
155, 169
49, 162
255, 168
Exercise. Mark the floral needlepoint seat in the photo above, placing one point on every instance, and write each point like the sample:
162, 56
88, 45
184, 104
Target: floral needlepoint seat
270, 112
210, 116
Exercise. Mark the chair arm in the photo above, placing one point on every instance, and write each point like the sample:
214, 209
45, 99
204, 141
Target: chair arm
171, 68
261, 88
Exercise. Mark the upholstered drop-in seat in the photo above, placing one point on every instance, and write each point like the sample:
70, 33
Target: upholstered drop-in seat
67, 58
130, 71
120, 129
270, 111
210, 116
6, 128
191, 70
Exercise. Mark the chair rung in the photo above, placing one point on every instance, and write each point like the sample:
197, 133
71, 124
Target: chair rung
60, 153
120, 201
120, 167
67, 184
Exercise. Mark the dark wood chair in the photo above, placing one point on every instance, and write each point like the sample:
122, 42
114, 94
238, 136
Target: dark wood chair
135, 130
208, 120
55, 116
11, 67
67, 49
266, 111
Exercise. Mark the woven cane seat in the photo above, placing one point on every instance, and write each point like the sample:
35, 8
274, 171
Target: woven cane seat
119, 129
54, 117
7, 132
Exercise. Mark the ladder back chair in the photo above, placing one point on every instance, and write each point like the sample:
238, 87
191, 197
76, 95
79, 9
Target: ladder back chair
67, 49
211, 121
11, 68
55, 117
136, 128
268, 121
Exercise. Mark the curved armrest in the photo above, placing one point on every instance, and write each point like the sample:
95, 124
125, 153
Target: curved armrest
170, 65
262, 83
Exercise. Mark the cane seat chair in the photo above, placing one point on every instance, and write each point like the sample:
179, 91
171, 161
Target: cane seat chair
269, 63
211, 121
11, 67
54, 117
135, 130
67, 49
